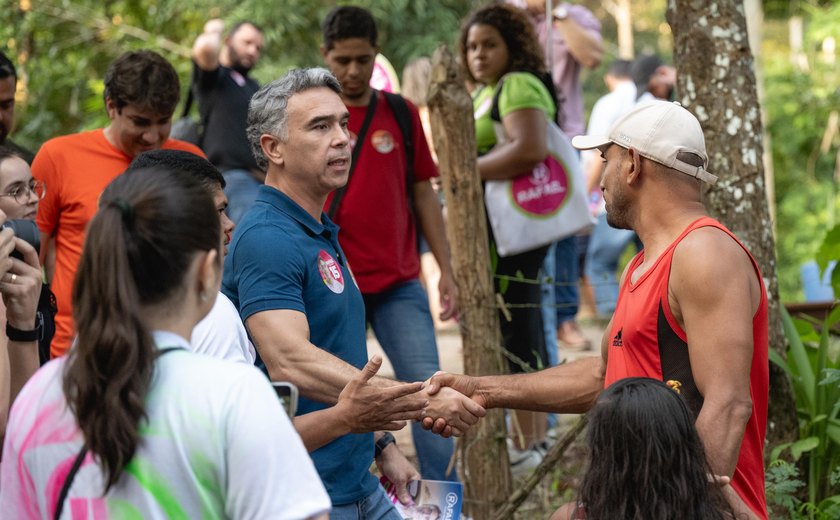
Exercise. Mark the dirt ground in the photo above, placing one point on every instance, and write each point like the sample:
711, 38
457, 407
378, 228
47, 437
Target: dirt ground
558, 486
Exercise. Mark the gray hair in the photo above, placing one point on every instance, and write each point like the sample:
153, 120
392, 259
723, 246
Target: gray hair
267, 110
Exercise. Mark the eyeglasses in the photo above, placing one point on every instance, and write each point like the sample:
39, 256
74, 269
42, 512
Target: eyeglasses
21, 192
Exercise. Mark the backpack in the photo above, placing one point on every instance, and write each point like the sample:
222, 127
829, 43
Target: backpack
403, 116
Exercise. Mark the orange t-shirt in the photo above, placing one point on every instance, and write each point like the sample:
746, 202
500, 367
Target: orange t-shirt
76, 168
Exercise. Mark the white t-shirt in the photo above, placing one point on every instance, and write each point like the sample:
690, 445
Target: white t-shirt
217, 444
606, 111
222, 335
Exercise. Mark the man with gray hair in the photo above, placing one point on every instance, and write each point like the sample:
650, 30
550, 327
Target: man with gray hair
288, 276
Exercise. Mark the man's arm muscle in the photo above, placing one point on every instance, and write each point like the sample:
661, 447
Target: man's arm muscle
282, 339
714, 294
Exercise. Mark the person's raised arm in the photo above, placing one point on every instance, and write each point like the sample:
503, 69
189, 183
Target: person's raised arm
20, 285
714, 293
584, 44
21, 289
205, 50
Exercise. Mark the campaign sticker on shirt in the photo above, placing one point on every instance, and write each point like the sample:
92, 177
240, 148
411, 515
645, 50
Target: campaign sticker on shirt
330, 272
382, 141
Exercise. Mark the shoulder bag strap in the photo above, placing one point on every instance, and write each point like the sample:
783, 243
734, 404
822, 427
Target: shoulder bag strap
357, 149
59, 506
403, 116
65, 488
188, 102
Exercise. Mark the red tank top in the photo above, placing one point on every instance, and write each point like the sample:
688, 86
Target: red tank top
646, 341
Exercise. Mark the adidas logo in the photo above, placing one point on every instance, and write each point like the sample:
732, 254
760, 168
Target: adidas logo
616, 342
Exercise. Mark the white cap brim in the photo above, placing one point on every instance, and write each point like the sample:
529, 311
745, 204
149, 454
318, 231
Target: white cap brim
588, 142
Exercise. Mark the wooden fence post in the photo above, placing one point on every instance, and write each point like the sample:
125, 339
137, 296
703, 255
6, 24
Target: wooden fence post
485, 465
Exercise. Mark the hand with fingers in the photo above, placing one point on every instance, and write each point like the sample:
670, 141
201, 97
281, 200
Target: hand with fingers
452, 409
393, 465
463, 385
20, 286
369, 407
448, 290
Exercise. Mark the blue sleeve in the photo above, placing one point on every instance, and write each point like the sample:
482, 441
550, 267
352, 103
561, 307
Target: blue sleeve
265, 273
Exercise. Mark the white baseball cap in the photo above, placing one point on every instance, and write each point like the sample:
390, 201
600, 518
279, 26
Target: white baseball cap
658, 130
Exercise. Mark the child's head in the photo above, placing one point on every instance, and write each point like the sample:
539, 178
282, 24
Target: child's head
646, 458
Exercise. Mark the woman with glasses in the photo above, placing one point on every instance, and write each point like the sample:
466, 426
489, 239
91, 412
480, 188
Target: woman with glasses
19, 192
20, 284
19, 197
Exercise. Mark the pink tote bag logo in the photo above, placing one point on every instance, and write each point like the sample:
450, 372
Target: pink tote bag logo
542, 193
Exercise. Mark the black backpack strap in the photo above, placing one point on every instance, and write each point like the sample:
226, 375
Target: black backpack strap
188, 102
545, 79
357, 149
403, 116
65, 488
80, 457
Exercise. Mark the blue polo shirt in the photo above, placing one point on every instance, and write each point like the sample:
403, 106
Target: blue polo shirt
282, 258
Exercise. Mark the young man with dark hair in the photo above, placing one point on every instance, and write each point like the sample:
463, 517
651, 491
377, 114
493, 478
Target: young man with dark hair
141, 92
8, 86
221, 333
223, 89
387, 197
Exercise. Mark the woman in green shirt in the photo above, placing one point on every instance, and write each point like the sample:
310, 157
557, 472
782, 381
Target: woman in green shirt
498, 45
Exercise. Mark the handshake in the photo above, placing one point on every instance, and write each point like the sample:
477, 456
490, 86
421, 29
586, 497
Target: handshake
445, 403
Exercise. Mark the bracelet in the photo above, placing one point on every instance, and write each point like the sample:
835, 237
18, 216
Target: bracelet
383, 442
16, 334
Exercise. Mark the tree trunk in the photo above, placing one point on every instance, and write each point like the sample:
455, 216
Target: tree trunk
717, 83
485, 465
755, 25
620, 10
624, 22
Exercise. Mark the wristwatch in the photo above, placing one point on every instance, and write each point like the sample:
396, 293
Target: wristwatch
16, 334
383, 443
561, 12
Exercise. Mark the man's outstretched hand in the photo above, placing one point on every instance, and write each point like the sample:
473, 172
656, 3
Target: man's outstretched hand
367, 407
463, 384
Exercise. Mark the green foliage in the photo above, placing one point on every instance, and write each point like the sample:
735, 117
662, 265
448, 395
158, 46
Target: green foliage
799, 102
63, 47
782, 485
828, 251
813, 368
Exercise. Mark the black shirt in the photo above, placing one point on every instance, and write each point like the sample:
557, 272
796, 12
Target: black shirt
224, 94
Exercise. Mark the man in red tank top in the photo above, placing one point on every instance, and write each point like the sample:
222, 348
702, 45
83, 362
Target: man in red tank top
692, 309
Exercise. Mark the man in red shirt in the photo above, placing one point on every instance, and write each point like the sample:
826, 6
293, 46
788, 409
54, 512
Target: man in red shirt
141, 92
379, 214
692, 309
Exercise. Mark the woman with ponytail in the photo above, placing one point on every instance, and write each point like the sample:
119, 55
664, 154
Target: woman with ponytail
131, 424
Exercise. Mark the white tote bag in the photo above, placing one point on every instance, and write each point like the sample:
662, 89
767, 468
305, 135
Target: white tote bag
541, 206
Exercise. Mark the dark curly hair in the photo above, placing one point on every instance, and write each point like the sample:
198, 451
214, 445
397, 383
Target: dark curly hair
646, 458
143, 79
523, 46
